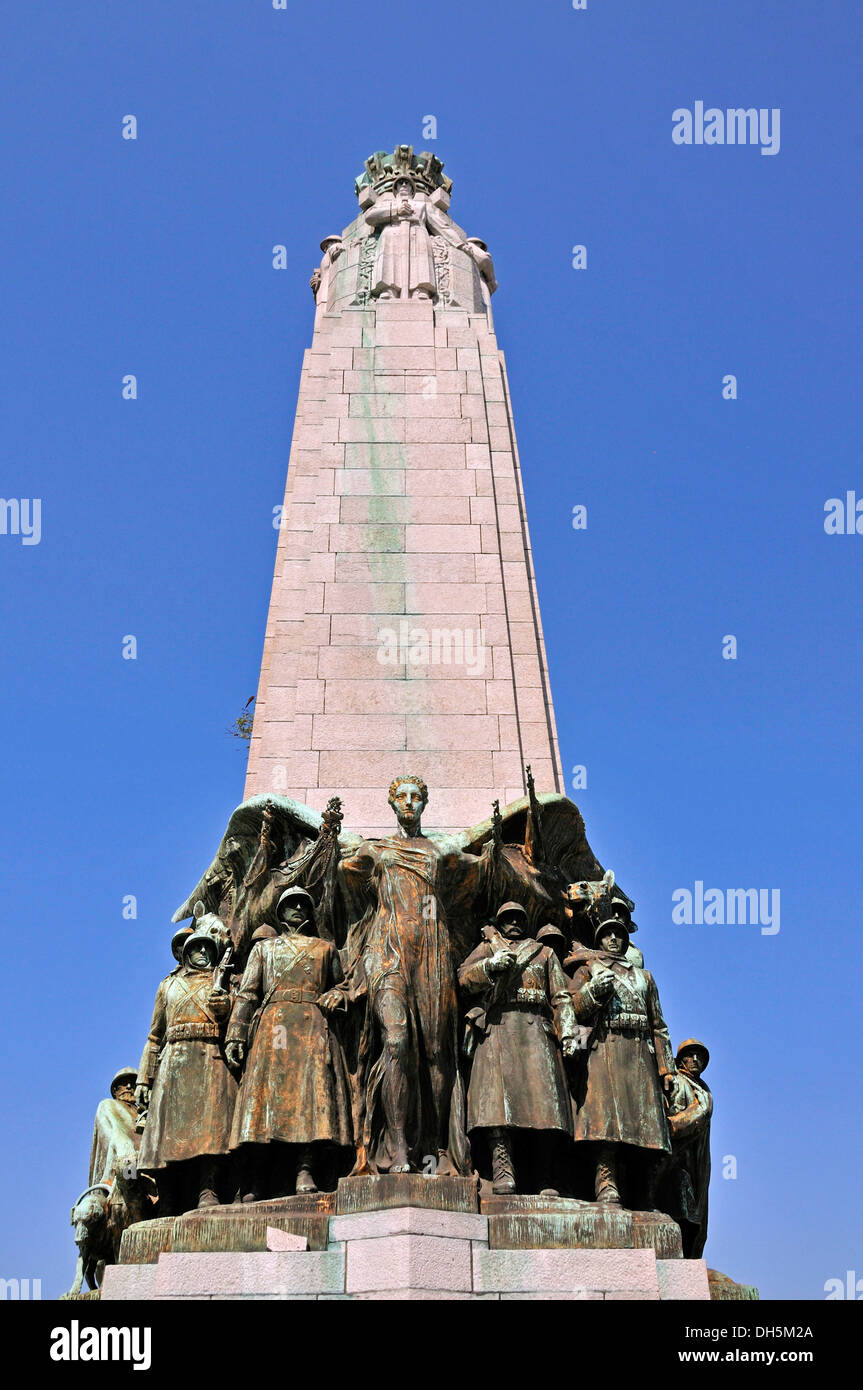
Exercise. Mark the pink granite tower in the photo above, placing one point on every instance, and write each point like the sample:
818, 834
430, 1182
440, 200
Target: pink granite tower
404, 631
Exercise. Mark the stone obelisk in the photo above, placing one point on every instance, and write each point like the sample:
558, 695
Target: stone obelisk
404, 630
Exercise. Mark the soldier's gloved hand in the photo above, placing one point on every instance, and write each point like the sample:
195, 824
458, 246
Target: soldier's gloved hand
501, 960
570, 1047
235, 1053
218, 1000
602, 983
669, 1082
142, 1097
331, 999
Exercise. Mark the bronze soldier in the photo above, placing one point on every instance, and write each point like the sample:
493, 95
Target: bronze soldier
552, 936
185, 1083
619, 1099
690, 1111
517, 1080
114, 1137
295, 1087
178, 941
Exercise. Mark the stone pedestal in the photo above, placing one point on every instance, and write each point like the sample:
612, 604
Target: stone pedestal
565, 1223
408, 1252
237, 1227
383, 1190
724, 1289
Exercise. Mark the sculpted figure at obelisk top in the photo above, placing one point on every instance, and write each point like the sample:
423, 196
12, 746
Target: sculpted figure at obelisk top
404, 620
407, 243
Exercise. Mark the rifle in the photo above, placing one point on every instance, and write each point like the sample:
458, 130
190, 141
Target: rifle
223, 971
534, 849
476, 1019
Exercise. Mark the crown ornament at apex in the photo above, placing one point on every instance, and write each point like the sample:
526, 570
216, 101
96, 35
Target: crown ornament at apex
383, 171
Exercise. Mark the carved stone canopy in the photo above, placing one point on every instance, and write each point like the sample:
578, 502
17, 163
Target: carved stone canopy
383, 171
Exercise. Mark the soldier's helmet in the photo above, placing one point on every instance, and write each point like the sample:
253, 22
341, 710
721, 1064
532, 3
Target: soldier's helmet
125, 1073
178, 940
688, 1045
297, 894
552, 936
208, 924
510, 907
264, 933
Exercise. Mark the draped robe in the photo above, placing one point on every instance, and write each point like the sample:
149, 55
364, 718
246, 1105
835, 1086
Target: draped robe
405, 892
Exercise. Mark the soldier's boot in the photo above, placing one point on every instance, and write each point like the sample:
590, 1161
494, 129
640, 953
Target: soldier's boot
169, 1197
444, 1168
606, 1177
252, 1181
305, 1177
502, 1167
207, 1184
655, 1170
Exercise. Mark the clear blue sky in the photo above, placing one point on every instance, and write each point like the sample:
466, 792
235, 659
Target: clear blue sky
705, 516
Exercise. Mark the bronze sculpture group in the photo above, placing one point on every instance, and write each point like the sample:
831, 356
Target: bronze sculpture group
450, 1004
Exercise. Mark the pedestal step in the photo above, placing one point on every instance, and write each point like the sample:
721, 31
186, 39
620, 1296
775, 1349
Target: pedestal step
237, 1227
408, 1252
384, 1190
565, 1223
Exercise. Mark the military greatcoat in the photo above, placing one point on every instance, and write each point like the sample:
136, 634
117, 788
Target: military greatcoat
518, 1078
295, 1085
620, 1100
691, 1109
114, 1139
193, 1089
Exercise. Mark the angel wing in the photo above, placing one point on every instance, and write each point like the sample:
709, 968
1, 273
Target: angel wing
539, 884
567, 854
290, 822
